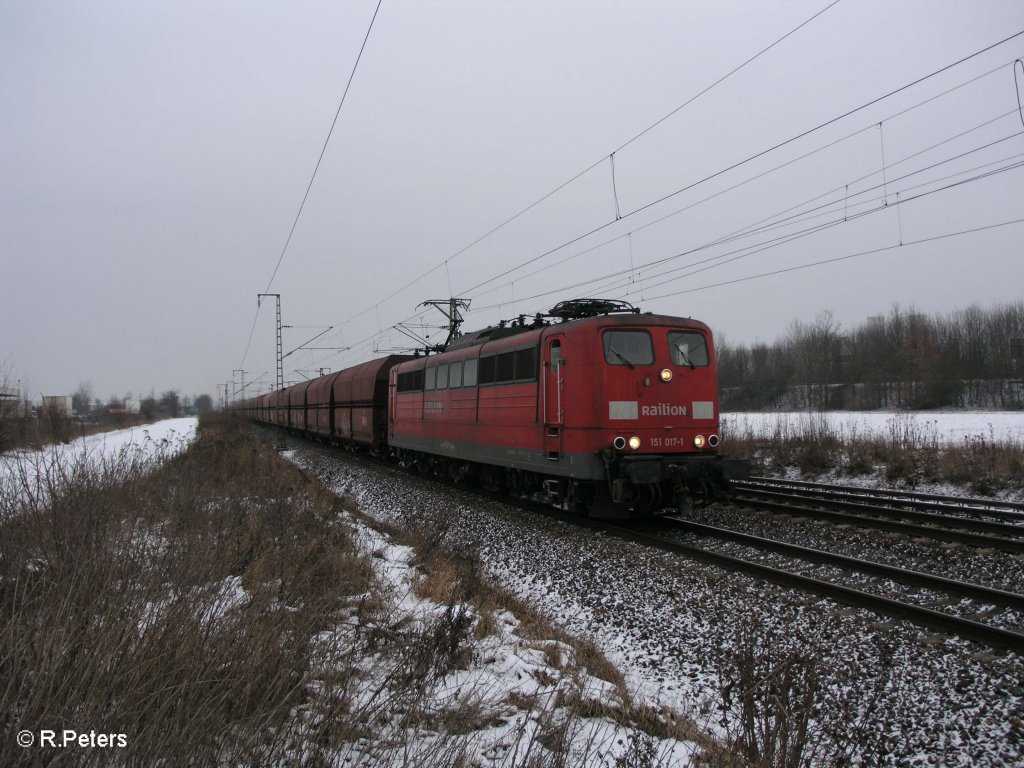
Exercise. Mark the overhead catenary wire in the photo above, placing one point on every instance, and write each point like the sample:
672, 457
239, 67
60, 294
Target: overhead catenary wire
808, 265
749, 159
792, 139
593, 165
766, 223
316, 168
780, 241
622, 276
815, 229
785, 164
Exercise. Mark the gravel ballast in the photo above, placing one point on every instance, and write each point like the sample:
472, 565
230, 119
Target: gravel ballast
881, 691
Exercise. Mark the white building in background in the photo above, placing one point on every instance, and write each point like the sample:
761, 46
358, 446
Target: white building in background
11, 404
128, 406
57, 406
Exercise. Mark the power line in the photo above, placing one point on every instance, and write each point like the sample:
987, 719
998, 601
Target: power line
594, 165
727, 76
774, 222
747, 160
760, 247
326, 142
754, 248
785, 164
808, 265
309, 186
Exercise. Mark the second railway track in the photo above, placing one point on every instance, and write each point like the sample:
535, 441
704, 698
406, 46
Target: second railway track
822, 503
968, 628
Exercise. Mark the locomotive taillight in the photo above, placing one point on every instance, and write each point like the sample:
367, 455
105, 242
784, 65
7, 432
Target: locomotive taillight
713, 441
619, 443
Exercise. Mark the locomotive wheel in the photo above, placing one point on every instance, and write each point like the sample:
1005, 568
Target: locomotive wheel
702, 493
578, 499
648, 498
492, 479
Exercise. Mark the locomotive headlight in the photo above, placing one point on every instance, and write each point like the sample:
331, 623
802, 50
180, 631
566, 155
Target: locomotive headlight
698, 441
666, 374
634, 442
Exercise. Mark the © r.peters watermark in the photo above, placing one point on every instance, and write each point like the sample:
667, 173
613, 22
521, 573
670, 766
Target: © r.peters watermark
69, 738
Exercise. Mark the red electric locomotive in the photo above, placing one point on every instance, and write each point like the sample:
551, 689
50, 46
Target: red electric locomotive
608, 411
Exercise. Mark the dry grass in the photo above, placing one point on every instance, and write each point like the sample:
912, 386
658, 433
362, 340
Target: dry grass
777, 711
909, 454
175, 607
219, 611
39, 432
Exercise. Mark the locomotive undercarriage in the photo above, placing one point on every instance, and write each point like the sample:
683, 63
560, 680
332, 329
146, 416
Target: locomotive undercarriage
564, 493
650, 484
633, 486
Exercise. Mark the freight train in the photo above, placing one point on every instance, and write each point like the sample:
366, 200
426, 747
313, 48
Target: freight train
593, 407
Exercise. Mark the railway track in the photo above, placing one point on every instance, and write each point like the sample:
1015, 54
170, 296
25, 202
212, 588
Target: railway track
972, 522
1009, 510
940, 621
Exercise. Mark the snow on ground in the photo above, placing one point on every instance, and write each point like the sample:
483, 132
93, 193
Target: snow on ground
34, 473
891, 693
919, 428
506, 673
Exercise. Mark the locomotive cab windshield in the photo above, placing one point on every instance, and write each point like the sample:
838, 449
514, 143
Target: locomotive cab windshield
628, 347
688, 348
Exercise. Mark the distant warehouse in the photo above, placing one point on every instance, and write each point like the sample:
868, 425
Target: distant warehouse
11, 404
57, 406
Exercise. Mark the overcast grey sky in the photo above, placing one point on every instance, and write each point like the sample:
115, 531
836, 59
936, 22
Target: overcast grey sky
153, 156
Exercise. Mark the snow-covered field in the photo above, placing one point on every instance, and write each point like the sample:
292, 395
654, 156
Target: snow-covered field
920, 428
671, 627
37, 472
506, 670
891, 694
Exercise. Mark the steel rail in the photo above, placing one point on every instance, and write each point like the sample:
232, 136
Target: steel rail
937, 620
916, 578
872, 496
967, 502
868, 510
908, 529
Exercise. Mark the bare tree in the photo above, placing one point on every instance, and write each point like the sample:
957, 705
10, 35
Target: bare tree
82, 399
904, 359
11, 409
170, 403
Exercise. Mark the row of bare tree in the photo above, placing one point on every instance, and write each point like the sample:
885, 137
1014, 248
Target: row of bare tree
24, 424
971, 357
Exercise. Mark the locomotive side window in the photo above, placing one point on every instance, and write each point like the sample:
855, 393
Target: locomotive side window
503, 367
431, 379
469, 373
628, 348
442, 377
487, 367
506, 368
526, 364
410, 381
688, 348
455, 376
